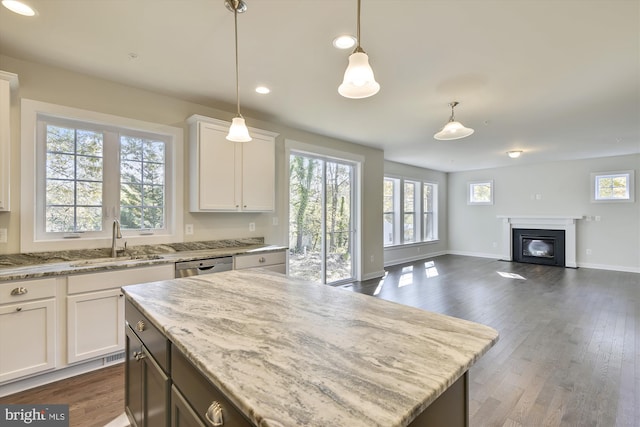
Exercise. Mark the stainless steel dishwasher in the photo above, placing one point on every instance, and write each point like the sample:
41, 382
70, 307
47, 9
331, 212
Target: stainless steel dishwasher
204, 266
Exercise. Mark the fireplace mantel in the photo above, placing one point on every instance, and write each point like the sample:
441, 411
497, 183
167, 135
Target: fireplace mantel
540, 222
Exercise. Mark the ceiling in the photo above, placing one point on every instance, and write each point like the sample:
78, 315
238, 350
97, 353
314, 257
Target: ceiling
557, 79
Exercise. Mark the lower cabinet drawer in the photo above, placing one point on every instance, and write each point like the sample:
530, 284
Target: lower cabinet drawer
260, 260
200, 393
150, 336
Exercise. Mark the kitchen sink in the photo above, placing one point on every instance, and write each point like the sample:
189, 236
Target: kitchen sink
113, 261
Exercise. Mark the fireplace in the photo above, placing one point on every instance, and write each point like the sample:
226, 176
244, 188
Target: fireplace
539, 246
538, 223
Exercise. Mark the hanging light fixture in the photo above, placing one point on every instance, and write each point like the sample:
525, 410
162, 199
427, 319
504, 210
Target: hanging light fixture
453, 129
238, 131
359, 81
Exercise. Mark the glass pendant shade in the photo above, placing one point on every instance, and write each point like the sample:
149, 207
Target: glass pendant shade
453, 130
359, 81
238, 131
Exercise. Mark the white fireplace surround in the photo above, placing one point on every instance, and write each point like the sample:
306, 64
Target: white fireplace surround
541, 222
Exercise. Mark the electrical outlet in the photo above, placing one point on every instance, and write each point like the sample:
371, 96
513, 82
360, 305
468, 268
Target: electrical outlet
372, 258
274, 220
252, 226
188, 229
588, 251
495, 244
598, 218
3, 235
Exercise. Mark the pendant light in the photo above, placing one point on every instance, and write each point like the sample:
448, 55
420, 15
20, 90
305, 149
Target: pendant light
359, 81
453, 129
238, 131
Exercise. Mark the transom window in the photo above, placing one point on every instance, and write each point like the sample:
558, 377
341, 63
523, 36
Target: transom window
612, 186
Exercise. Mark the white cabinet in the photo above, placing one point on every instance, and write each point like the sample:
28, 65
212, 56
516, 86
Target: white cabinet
8, 81
27, 328
274, 261
230, 176
95, 309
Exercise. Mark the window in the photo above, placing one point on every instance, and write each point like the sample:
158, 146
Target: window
389, 208
612, 186
429, 198
410, 211
91, 169
480, 193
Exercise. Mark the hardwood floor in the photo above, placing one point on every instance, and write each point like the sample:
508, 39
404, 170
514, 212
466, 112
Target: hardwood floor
569, 348
568, 354
94, 399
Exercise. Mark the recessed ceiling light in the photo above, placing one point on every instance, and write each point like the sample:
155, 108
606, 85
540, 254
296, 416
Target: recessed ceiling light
344, 42
263, 90
514, 154
19, 7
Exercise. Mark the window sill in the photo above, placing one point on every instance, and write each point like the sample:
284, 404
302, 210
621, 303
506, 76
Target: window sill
411, 244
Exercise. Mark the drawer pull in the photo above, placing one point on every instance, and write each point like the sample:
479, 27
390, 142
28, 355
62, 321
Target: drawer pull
19, 291
140, 326
262, 259
138, 355
214, 414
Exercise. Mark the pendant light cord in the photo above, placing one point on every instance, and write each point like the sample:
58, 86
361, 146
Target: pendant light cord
358, 25
235, 16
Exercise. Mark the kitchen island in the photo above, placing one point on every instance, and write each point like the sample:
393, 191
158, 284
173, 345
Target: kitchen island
288, 353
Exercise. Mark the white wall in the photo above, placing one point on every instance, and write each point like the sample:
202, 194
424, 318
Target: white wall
563, 189
58, 86
406, 253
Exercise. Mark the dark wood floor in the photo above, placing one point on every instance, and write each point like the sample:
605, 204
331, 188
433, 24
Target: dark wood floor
568, 355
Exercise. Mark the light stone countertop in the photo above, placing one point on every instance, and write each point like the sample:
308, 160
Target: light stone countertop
35, 265
290, 353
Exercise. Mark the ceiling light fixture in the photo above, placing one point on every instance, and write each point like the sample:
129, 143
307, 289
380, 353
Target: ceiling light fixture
359, 81
238, 131
19, 7
514, 154
344, 42
453, 129
263, 90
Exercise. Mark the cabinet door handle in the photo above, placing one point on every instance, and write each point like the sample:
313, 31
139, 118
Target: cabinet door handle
262, 259
138, 355
19, 291
140, 326
214, 414
18, 308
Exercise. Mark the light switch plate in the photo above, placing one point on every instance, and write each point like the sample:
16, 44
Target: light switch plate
3, 235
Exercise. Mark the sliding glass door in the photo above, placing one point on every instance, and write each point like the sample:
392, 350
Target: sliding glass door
321, 218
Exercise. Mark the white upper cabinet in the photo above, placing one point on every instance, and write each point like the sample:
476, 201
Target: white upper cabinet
230, 176
8, 81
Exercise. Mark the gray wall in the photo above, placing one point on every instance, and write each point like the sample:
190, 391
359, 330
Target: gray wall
564, 189
58, 86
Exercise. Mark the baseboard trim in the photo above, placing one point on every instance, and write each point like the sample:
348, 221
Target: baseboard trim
609, 267
43, 378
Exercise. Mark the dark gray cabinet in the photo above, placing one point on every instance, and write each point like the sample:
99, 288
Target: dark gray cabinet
147, 385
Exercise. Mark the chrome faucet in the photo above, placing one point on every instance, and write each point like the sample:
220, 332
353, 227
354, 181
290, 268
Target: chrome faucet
115, 234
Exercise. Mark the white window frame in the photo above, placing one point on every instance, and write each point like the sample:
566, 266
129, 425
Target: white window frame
395, 225
434, 212
470, 192
32, 188
630, 193
418, 213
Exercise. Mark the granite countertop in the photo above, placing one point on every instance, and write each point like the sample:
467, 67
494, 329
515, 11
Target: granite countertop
291, 353
43, 264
